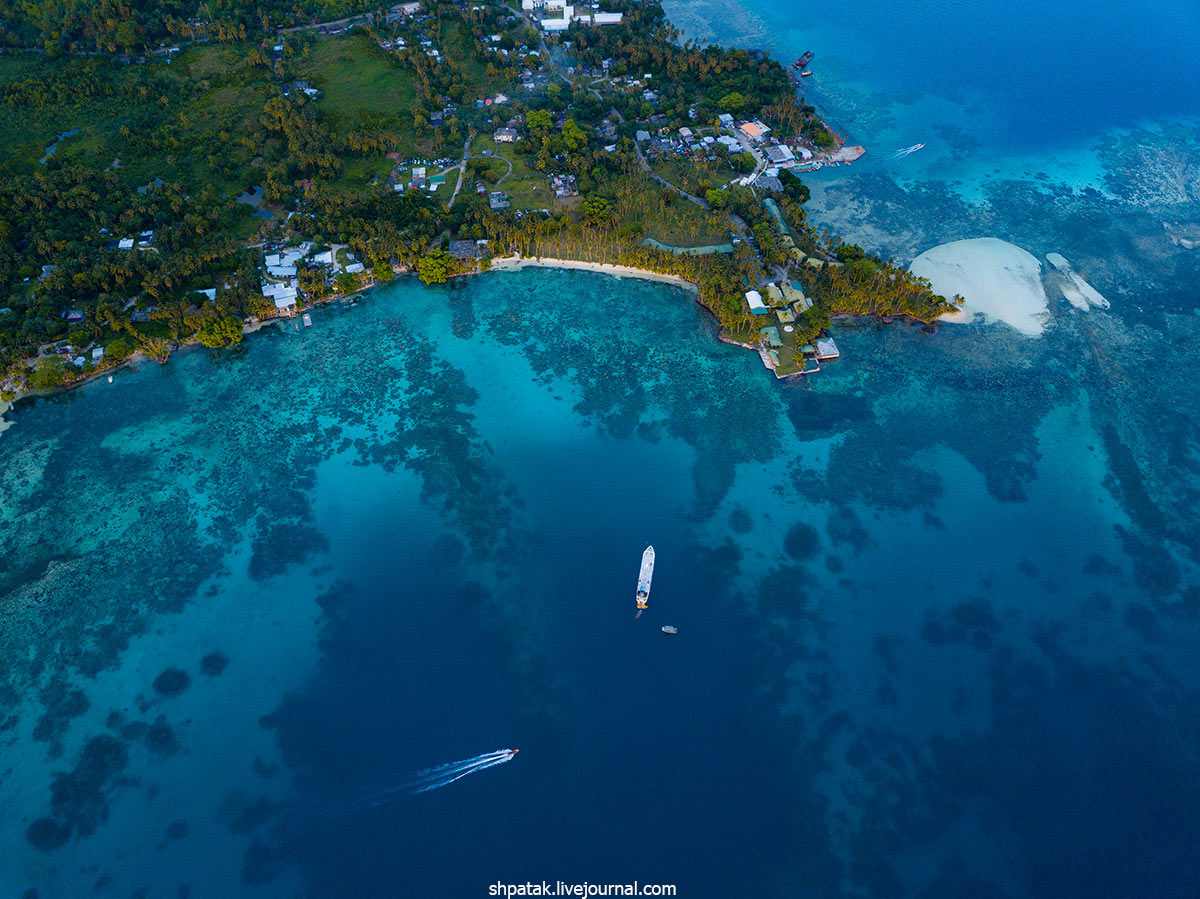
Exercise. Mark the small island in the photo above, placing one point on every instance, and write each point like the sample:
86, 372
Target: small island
170, 181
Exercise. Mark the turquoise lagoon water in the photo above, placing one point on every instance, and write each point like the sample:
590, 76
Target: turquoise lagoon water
937, 607
932, 641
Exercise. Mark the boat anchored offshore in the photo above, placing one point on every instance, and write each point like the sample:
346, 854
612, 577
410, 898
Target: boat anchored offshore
644, 576
670, 629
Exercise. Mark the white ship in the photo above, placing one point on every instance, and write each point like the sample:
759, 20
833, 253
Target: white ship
644, 576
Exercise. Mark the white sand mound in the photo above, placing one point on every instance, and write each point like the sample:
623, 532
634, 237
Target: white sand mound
1078, 292
996, 279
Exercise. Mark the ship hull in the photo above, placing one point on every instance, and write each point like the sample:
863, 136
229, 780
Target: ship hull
645, 575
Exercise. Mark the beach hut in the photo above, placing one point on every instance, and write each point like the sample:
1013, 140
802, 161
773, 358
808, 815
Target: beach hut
826, 348
771, 336
793, 293
785, 316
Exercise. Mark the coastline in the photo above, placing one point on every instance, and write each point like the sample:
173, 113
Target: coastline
504, 263
515, 263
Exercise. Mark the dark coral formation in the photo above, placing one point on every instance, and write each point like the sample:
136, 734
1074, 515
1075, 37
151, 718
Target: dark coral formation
172, 682
214, 664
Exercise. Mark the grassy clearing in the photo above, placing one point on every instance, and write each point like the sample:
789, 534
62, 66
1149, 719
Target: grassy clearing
527, 188
358, 79
693, 177
673, 220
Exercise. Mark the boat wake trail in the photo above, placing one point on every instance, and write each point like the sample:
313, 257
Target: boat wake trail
421, 782
444, 775
907, 151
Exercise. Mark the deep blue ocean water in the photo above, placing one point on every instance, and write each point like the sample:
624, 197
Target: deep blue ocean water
937, 607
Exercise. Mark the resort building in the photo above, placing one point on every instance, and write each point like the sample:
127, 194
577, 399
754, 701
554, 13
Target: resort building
755, 130
283, 294
780, 155
283, 265
826, 348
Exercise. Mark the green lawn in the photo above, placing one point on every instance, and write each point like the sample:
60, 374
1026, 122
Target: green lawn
527, 188
357, 79
694, 177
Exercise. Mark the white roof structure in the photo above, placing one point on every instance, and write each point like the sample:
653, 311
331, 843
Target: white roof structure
125, 243
780, 154
210, 292
826, 348
730, 142
325, 258
353, 267
725, 119
283, 294
283, 265
755, 301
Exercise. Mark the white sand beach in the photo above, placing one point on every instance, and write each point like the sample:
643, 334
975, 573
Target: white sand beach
1077, 291
512, 263
996, 279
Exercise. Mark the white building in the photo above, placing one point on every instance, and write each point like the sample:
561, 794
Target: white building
283, 294
780, 155
283, 265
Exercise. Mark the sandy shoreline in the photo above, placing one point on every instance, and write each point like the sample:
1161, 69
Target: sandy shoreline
513, 263
996, 279
505, 263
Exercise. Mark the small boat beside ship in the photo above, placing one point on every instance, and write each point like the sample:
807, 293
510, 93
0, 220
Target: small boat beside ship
644, 577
